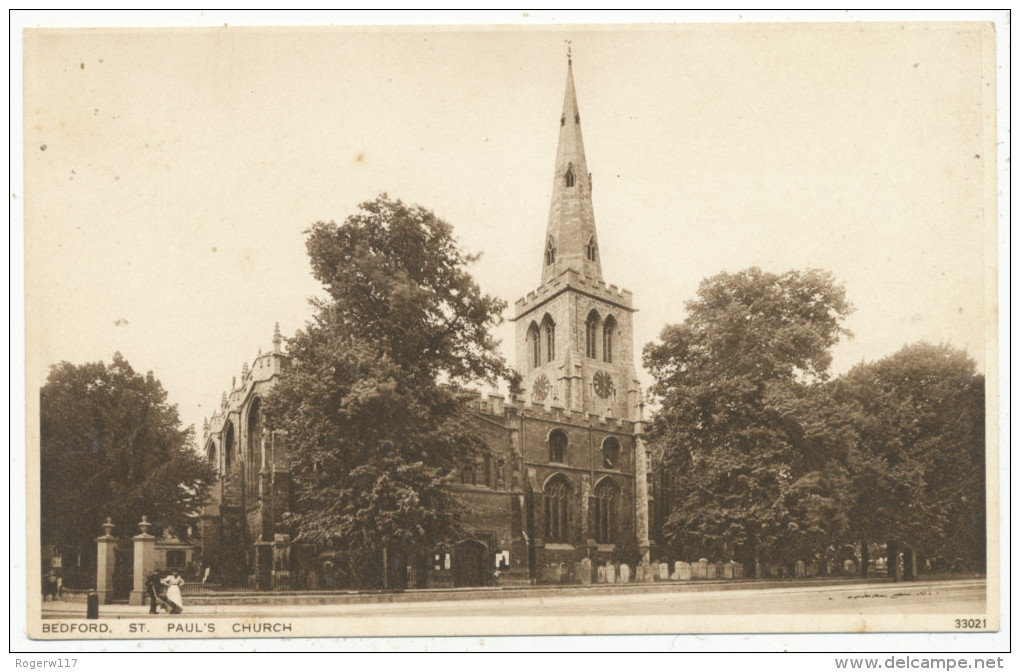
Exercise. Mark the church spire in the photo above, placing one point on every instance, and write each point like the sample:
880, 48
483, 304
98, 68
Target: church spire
571, 242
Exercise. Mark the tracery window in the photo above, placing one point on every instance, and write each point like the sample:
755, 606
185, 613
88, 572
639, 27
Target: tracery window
607, 497
557, 509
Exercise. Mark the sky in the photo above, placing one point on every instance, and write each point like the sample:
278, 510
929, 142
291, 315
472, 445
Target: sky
170, 174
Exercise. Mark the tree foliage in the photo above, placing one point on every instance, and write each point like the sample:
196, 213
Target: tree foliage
753, 470
917, 467
374, 422
111, 446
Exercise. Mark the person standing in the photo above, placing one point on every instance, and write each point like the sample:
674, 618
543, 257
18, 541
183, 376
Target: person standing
50, 586
173, 585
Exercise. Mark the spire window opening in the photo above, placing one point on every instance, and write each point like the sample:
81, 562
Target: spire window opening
570, 179
577, 118
563, 120
589, 249
550, 254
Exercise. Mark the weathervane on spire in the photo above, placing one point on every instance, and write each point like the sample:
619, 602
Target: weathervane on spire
570, 60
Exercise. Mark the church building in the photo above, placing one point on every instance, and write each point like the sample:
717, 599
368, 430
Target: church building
564, 481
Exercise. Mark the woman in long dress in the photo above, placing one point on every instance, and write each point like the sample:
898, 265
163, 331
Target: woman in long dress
173, 585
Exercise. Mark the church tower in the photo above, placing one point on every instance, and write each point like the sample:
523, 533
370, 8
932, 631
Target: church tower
574, 333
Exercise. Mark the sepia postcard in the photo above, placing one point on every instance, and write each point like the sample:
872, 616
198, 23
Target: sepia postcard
330, 333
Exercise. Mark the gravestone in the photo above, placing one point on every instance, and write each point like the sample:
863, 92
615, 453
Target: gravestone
663, 571
602, 574
611, 573
710, 568
624, 573
649, 572
728, 570
639, 573
702, 569
799, 569
683, 569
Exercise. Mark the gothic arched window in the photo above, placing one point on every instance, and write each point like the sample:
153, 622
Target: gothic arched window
549, 327
211, 454
570, 179
550, 253
557, 446
228, 446
607, 497
591, 335
589, 249
534, 343
254, 448
557, 509
611, 453
607, 339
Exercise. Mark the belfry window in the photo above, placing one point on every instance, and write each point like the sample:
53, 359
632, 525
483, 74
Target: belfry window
570, 177
550, 253
607, 339
534, 342
550, 338
589, 249
591, 334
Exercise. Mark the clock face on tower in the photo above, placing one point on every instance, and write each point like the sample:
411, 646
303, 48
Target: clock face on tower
540, 390
603, 384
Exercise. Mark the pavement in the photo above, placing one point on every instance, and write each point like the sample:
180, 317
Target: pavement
732, 598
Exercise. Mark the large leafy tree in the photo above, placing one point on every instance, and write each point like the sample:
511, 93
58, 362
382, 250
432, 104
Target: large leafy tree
918, 463
370, 403
112, 446
743, 418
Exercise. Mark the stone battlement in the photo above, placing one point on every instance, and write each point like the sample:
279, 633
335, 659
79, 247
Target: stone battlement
497, 405
571, 279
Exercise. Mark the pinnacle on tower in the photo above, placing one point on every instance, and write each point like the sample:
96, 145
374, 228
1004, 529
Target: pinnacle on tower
223, 400
571, 241
244, 373
277, 338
